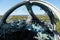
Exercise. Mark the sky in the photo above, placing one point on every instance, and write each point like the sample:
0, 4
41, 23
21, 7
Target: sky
7, 4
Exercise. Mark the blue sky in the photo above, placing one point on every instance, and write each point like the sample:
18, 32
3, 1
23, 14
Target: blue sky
7, 4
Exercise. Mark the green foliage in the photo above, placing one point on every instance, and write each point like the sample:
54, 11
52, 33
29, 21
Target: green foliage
43, 18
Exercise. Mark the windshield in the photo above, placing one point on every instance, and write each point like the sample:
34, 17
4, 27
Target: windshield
22, 13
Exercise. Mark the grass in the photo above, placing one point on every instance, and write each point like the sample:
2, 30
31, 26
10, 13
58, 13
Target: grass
44, 18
